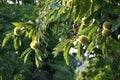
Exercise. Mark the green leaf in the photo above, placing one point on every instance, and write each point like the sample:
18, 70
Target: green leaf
15, 43
31, 33
93, 15
79, 50
66, 51
92, 32
85, 30
61, 10
20, 42
37, 51
52, 17
24, 52
60, 47
76, 12
110, 11
18, 24
5, 40
92, 6
91, 1
26, 56
116, 23
26, 33
91, 46
103, 47
36, 61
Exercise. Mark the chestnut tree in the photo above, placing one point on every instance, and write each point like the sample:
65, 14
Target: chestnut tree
55, 26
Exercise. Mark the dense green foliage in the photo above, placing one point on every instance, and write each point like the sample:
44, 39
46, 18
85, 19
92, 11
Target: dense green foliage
41, 31
100, 68
12, 67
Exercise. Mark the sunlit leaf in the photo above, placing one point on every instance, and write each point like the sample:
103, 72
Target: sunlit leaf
92, 32
85, 30
91, 1
24, 52
60, 47
66, 52
18, 24
36, 61
37, 51
31, 33
93, 15
15, 43
5, 40
103, 47
61, 10
79, 50
91, 46
52, 17
20, 42
26, 56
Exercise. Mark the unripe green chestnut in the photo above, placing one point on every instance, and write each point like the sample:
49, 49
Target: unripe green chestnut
17, 31
107, 25
69, 3
106, 32
83, 39
34, 45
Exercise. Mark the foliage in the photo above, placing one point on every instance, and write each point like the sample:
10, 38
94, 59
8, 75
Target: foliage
11, 62
57, 24
55, 17
99, 68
